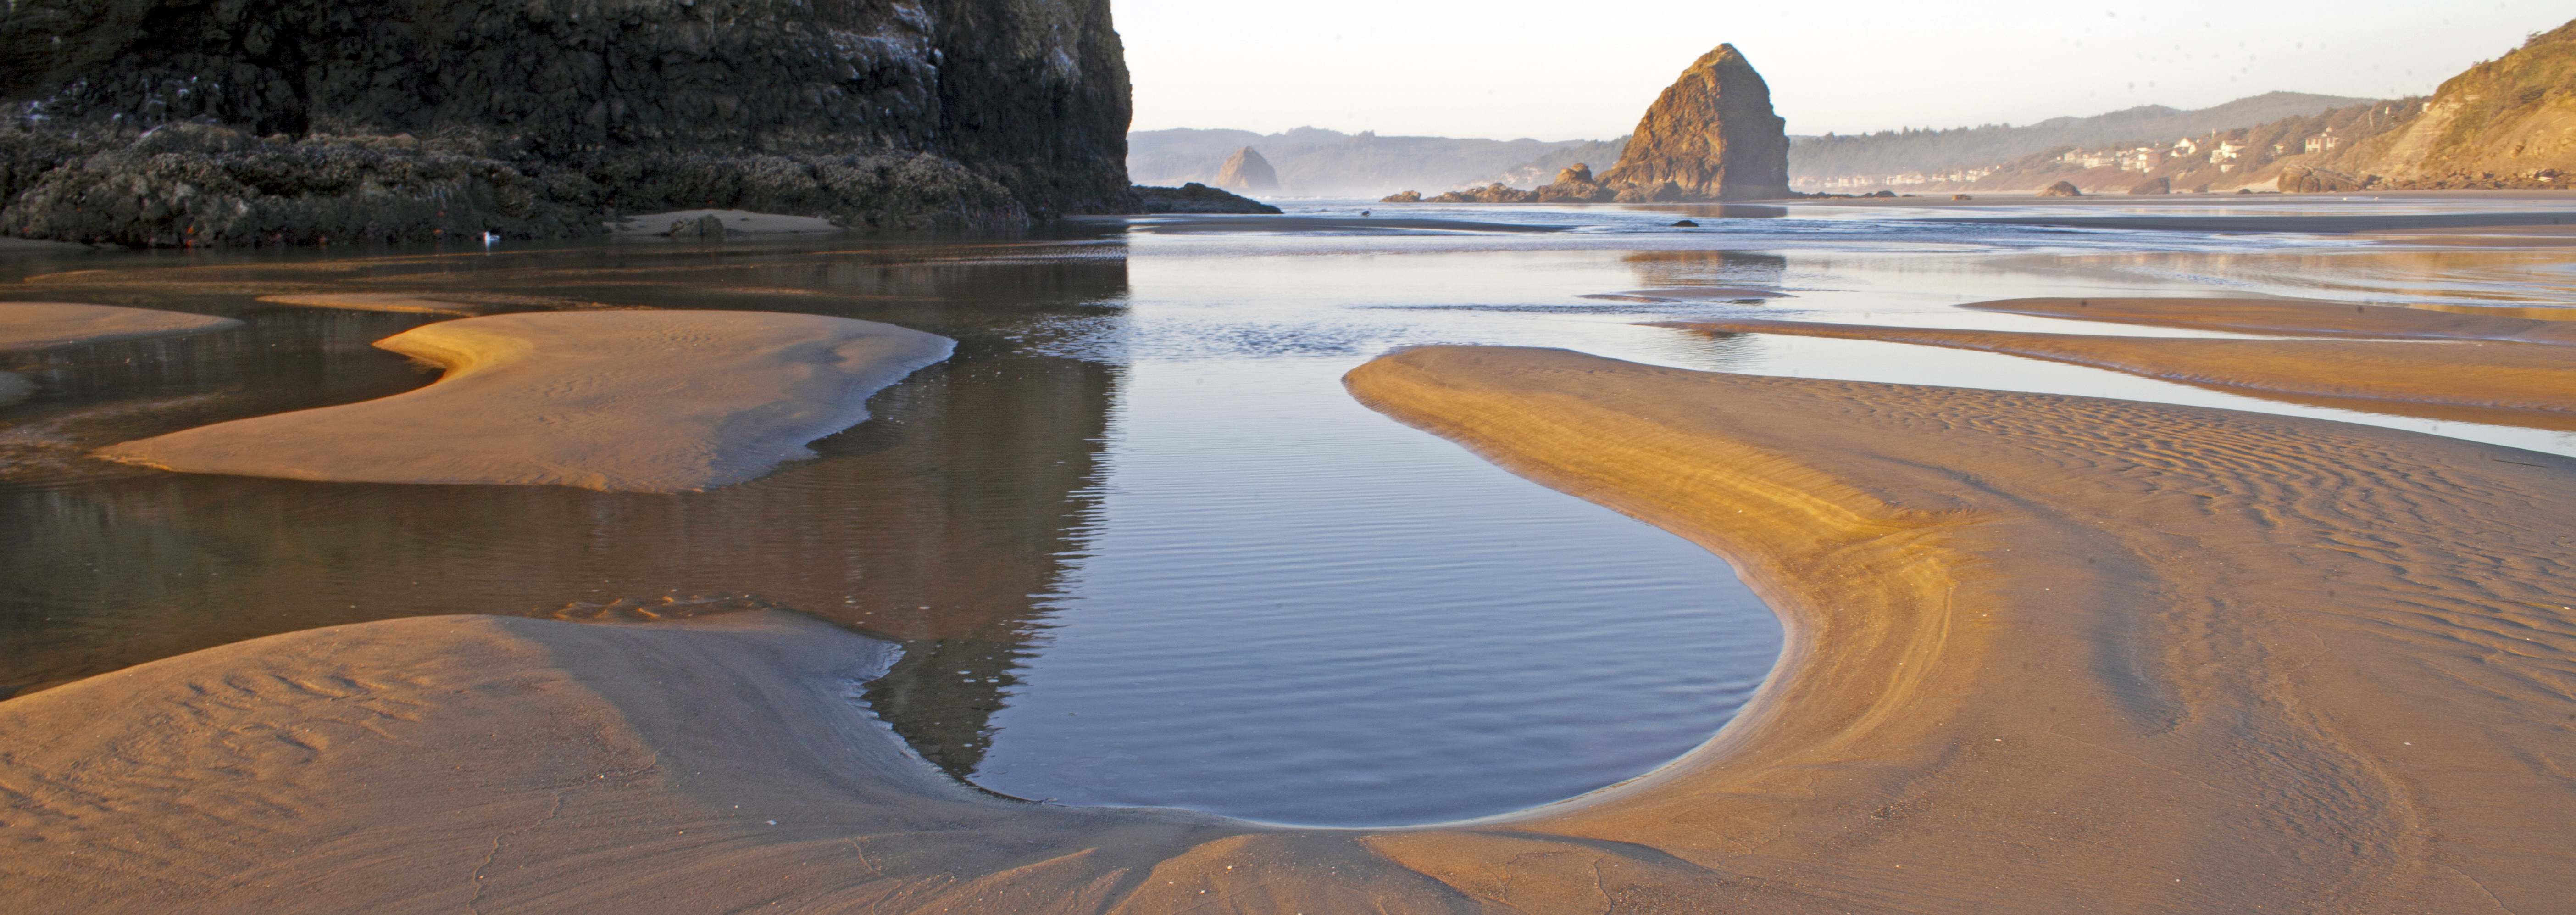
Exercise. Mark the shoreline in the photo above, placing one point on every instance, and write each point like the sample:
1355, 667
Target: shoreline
29, 327
2514, 384
617, 401
2043, 651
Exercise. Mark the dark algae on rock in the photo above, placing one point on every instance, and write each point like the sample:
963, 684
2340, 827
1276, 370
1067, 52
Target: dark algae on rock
168, 122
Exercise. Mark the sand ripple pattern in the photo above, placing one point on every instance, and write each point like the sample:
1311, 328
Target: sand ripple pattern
2045, 654
2519, 384
620, 401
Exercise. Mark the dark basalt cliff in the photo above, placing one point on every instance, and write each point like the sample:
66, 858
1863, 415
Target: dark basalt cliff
255, 121
1711, 135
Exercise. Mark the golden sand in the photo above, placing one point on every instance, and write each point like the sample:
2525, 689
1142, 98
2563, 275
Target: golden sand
2294, 317
2519, 384
649, 401
26, 326
2044, 654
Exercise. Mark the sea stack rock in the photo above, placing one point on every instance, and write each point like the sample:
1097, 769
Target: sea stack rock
1710, 136
163, 122
2061, 189
1246, 170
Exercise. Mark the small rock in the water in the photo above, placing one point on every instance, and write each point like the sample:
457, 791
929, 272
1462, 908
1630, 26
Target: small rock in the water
1961, 197
2061, 189
1685, 224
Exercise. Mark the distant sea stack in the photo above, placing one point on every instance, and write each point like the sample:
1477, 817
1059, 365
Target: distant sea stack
163, 122
1710, 136
1246, 170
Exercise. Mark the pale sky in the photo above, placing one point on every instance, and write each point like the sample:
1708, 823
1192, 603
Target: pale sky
1586, 69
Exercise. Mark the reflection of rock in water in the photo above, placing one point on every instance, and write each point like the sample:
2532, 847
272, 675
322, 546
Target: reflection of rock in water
941, 694
1708, 268
959, 498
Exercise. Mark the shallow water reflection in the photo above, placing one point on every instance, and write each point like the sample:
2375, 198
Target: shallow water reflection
1138, 544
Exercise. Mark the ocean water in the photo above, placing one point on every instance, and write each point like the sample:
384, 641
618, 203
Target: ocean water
1138, 545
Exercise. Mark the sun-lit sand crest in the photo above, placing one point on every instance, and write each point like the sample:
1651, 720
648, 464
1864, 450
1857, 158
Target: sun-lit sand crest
652, 401
2131, 656
2294, 317
28, 326
2508, 383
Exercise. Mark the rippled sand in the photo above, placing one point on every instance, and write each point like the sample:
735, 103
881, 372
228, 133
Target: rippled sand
621, 401
2046, 652
2500, 383
2294, 317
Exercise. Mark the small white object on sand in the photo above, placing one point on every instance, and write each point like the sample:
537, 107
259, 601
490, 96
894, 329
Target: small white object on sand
619, 401
26, 326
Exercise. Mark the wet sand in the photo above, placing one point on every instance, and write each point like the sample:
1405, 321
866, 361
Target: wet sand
2294, 317
451, 304
2500, 383
31, 326
2045, 653
736, 223
2303, 224
619, 401
1690, 294
1184, 224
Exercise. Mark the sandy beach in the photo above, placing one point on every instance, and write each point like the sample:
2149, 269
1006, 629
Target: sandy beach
2045, 653
2293, 317
645, 401
2500, 383
29, 326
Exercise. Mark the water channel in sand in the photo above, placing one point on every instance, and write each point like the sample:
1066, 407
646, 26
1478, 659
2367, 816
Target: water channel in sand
1138, 544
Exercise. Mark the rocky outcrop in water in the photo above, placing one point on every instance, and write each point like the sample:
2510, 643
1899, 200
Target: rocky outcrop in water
1195, 198
1711, 135
2300, 179
257, 121
1496, 192
1402, 197
1246, 170
2061, 189
1574, 184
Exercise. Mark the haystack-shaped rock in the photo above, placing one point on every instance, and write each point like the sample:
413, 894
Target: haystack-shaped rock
1710, 136
1247, 171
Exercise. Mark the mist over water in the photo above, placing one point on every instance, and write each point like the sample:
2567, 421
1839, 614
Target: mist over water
1137, 544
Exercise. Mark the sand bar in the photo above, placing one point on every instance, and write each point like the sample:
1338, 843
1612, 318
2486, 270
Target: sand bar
1187, 224
1690, 294
2294, 317
2519, 383
28, 326
630, 401
2045, 654
2303, 224
2057, 653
